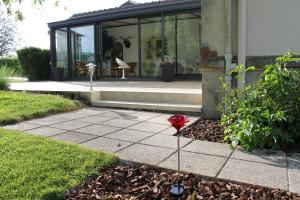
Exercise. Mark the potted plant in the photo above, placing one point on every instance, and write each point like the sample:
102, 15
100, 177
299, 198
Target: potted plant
58, 73
167, 69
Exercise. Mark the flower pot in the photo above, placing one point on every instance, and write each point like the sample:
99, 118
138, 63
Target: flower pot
167, 70
58, 74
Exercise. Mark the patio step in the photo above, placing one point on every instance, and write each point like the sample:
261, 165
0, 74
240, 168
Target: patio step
148, 106
163, 96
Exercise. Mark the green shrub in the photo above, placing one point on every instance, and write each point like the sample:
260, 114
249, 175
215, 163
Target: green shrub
265, 114
5, 73
35, 63
11, 63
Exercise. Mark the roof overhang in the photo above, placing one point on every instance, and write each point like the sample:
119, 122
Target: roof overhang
121, 14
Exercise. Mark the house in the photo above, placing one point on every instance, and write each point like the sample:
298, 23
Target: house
202, 39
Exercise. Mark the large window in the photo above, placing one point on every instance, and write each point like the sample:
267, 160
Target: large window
151, 46
83, 51
188, 43
61, 44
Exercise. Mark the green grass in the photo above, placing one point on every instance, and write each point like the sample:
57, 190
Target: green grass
17, 106
33, 167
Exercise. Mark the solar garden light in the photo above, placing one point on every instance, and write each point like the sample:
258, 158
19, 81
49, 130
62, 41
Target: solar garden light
178, 121
91, 69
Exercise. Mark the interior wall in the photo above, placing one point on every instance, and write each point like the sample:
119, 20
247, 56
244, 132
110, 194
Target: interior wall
129, 54
272, 27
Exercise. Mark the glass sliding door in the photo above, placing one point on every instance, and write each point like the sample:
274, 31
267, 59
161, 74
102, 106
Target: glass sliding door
61, 44
188, 43
119, 40
82, 50
169, 42
151, 46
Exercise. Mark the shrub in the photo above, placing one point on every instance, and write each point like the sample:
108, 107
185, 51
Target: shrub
11, 63
265, 114
5, 73
35, 63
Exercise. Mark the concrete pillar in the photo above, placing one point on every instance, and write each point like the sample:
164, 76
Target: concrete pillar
242, 36
211, 86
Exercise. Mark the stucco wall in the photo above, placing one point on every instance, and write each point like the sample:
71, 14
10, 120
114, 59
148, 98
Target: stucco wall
214, 25
273, 27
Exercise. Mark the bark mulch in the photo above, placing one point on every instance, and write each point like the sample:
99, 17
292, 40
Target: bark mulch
144, 182
203, 129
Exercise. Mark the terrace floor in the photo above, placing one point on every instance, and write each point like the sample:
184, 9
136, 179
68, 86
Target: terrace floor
146, 137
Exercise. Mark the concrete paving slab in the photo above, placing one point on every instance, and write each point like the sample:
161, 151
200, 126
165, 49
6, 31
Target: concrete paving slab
99, 130
263, 174
73, 137
23, 126
145, 154
141, 116
205, 165
97, 119
106, 144
47, 120
169, 131
161, 119
122, 123
45, 131
165, 141
149, 127
211, 148
71, 115
90, 111
294, 172
71, 125
129, 135
263, 156
114, 115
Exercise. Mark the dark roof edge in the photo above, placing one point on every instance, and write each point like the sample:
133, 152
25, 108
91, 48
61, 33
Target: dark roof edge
126, 13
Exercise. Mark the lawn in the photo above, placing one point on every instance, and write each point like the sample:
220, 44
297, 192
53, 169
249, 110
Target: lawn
34, 167
17, 106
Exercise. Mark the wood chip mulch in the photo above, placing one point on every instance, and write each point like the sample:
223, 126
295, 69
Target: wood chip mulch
203, 129
122, 182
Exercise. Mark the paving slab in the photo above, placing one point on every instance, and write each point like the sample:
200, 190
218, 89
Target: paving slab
161, 119
71, 115
145, 154
251, 172
272, 157
70, 125
54, 119
294, 172
129, 135
106, 144
98, 129
73, 137
122, 123
211, 148
114, 115
169, 131
149, 127
90, 111
141, 116
45, 131
97, 119
165, 141
23, 126
202, 164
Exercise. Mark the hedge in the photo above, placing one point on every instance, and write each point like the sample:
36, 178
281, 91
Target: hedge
11, 63
35, 63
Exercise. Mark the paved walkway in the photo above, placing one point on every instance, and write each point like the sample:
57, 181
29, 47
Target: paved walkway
146, 137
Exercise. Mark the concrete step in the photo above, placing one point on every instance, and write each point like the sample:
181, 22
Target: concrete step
148, 106
167, 97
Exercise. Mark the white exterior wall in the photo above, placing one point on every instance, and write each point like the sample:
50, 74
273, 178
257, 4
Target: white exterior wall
273, 27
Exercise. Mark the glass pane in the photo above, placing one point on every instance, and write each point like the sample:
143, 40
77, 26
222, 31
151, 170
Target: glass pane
188, 43
62, 50
151, 47
120, 40
82, 45
170, 40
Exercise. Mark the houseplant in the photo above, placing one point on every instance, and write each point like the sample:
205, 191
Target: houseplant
167, 69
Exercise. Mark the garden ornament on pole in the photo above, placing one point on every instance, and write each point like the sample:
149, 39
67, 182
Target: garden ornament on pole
123, 66
178, 121
91, 69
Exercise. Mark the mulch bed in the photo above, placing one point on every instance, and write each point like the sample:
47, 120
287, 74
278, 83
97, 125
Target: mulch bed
203, 129
122, 182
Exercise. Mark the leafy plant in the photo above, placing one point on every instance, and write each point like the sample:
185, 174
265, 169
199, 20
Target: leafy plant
5, 74
11, 62
265, 114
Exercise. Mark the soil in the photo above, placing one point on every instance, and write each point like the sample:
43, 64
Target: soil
203, 129
144, 182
